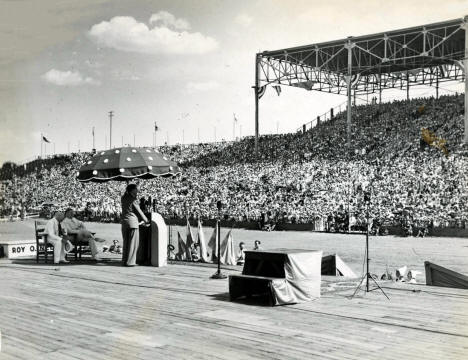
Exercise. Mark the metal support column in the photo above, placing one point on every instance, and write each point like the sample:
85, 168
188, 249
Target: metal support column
348, 88
407, 86
465, 62
256, 102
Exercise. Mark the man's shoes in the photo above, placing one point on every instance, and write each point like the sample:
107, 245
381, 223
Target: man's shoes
97, 258
64, 261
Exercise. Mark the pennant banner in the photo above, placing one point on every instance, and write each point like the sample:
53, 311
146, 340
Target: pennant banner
182, 248
213, 245
190, 242
228, 253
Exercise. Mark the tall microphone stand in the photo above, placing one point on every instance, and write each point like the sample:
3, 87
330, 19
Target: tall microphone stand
218, 274
368, 275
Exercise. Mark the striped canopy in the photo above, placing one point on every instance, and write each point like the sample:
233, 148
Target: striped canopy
126, 163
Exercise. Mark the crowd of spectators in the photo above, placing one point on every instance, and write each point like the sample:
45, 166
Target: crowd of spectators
391, 175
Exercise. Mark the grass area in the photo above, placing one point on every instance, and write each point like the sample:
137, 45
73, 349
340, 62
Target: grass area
390, 251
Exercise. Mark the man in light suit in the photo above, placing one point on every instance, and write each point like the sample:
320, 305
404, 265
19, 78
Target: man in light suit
75, 227
53, 236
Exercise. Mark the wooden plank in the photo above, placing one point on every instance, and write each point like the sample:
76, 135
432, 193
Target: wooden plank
110, 312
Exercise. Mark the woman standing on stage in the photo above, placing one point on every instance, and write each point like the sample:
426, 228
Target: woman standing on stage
130, 230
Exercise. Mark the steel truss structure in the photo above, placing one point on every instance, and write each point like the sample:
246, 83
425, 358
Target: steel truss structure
422, 55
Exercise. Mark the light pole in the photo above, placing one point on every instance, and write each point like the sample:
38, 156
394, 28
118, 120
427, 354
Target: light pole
111, 114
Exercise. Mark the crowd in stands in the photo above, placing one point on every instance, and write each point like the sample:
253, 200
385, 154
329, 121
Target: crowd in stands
392, 175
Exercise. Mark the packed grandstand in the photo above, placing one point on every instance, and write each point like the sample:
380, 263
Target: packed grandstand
412, 179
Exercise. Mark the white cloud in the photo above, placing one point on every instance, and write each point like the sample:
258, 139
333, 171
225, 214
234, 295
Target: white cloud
165, 37
68, 78
243, 20
168, 20
201, 86
124, 75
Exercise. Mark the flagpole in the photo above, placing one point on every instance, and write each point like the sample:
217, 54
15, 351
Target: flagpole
94, 144
234, 128
155, 133
111, 113
41, 145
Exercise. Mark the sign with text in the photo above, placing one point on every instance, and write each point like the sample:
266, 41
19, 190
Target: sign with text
20, 250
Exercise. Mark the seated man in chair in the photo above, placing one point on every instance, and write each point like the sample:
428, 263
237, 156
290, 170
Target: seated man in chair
73, 226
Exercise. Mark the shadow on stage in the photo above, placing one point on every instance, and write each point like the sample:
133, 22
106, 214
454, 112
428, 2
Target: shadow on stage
262, 300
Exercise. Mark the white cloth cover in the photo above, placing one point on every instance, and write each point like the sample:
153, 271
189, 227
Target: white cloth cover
303, 277
294, 275
158, 240
202, 243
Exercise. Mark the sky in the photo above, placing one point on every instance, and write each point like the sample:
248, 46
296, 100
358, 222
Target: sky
186, 65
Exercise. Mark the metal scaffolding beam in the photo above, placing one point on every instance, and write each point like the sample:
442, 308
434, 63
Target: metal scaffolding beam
424, 55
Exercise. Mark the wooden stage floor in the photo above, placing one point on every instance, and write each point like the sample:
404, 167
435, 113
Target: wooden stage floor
104, 311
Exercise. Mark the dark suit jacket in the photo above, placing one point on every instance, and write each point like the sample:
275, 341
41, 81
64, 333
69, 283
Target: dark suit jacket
131, 211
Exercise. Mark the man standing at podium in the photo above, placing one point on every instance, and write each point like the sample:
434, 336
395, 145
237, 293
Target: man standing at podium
130, 232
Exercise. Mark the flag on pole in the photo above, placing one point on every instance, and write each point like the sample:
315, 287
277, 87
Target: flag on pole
155, 127
93, 130
235, 119
202, 243
182, 248
213, 244
261, 91
228, 254
45, 139
190, 241
278, 89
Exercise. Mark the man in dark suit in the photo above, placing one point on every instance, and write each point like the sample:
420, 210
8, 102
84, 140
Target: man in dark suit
131, 213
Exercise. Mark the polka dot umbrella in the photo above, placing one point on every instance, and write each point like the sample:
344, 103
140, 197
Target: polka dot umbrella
126, 163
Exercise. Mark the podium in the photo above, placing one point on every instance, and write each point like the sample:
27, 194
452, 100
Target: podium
152, 248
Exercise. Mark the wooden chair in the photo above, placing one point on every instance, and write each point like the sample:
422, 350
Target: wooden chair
42, 246
80, 246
